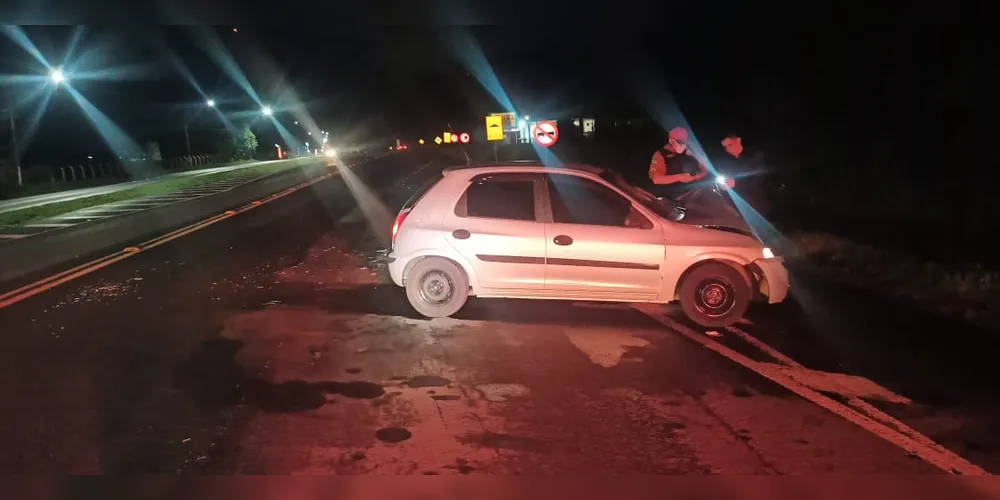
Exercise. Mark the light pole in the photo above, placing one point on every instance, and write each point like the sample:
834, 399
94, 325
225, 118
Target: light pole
13, 146
187, 137
56, 76
14, 154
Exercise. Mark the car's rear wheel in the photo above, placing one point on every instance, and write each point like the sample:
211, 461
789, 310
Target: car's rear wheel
437, 287
714, 295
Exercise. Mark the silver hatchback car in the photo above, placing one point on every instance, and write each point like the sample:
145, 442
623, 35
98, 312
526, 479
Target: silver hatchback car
529, 231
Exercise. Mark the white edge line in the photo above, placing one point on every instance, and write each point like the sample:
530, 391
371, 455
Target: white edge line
759, 344
928, 451
854, 402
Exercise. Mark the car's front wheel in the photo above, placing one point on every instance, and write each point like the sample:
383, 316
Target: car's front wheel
714, 295
437, 287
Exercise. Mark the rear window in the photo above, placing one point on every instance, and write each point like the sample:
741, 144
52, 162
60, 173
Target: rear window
419, 193
501, 198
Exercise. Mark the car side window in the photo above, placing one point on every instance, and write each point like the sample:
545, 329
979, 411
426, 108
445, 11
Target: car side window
576, 200
501, 197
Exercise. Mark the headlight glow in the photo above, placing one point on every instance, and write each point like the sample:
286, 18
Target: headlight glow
721, 179
330, 152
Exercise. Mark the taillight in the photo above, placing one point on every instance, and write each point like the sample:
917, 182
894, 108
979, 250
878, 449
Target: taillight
398, 224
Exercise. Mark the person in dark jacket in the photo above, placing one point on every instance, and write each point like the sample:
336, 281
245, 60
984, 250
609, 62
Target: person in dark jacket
747, 170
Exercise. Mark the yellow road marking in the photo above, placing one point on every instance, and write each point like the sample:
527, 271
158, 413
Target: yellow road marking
37, 287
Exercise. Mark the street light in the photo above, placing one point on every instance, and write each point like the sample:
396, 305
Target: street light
266, 110
187, 136
57, 76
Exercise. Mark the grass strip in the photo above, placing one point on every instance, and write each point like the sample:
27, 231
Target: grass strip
969, 291
34, 214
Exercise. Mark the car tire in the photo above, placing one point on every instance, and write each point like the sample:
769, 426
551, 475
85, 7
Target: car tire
714, 295
437, 287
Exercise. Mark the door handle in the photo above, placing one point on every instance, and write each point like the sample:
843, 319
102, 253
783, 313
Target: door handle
562, 240
461, 234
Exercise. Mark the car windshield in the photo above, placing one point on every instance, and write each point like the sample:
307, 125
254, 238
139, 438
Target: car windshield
662, 207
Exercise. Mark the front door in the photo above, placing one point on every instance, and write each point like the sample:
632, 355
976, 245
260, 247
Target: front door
597, 244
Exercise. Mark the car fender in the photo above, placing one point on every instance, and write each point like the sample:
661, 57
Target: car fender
674, 274
445, 252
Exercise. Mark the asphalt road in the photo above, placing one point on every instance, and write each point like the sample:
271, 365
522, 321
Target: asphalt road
274, 343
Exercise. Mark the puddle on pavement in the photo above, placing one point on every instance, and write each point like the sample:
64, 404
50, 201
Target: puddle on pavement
298, 396
212, 378
392, 434
427, 381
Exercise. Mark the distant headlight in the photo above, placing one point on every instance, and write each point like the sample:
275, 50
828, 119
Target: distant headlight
721, 179
330, 152
768, 254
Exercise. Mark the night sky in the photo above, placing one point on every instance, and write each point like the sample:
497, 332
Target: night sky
797, 90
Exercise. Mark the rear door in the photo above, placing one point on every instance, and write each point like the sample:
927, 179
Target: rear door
598, 244
496, 225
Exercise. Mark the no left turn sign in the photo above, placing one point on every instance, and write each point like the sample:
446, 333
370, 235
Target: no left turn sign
545, 133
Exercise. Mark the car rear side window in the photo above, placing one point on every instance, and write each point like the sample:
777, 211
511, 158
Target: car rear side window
501, 197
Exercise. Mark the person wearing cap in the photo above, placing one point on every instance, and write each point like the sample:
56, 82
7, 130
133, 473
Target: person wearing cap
747, 170
673, 167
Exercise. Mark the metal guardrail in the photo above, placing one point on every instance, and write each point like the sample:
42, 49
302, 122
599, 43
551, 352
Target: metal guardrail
68, 175
123, 169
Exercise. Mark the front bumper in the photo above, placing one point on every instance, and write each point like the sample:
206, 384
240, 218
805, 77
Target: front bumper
774, 284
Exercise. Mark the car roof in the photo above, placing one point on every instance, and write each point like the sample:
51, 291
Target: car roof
524, 166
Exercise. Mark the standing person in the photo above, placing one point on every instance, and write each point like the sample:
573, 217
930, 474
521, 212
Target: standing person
747, 170
673, 167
